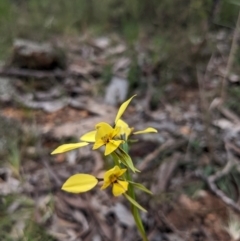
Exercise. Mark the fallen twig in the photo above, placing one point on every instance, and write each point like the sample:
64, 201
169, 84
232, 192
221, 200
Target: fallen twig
37, 74
233, 50
212, 186
206, 116
229, 114
170, 145
210, 181
166, 222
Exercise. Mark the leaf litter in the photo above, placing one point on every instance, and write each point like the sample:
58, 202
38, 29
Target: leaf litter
59, 107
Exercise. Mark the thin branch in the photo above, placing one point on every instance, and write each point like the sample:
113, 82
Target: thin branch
230, 59
170, 145
166, 222
210, 181
37, 74
212, 186
229, 114
205, 115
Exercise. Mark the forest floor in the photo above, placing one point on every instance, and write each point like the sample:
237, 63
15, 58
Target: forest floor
191, 165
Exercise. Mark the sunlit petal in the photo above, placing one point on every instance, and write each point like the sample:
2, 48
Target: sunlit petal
98, 144
116, 131
147, 130
111, 146
122, 109
110, 172
114, 171
89, 137
106, 184
69, 147
121, 172
122, 124
119, 188
104, 126
111, 177
125, 129
102, 129
79, 183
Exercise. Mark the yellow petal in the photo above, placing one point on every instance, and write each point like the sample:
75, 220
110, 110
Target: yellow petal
69, 147
104, 126
122, 124
106, 184
116, 131
116, 171
80, 183
147, 130
111, 146
89, 137
98, 144
103, 129
125, 129
122, 109
119, 188
121, 172
111, 172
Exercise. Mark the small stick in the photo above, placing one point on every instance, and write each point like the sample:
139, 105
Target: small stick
230, 60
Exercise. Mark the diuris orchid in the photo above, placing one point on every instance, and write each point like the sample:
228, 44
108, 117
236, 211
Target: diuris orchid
106, 135
79, 183
111, 177
115, 140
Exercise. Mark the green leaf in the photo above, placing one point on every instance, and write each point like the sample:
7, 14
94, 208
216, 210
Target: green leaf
139, 223
125, 159
132, 201
135, 210
125, 146
141, 187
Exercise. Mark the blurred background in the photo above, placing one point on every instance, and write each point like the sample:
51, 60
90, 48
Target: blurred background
67, 65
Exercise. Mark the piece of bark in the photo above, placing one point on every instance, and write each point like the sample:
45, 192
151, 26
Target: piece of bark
31, 55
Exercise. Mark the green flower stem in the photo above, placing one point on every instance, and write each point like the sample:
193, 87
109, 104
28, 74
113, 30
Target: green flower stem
134, 209
115, 159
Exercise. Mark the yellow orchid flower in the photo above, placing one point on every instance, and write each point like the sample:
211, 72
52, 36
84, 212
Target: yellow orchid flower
79, 183
90, 136
111, 177
105, 135
126, 131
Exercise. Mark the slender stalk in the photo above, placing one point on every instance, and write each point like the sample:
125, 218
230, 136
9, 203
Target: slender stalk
115, 159
134, 209
230, 59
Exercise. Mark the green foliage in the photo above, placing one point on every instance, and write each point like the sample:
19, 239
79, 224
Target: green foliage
192, 188
229, 184
41, 19
24, 212
234, 99
35, 232
107, 74
134, 75
14, 158
228, 13
10, 134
